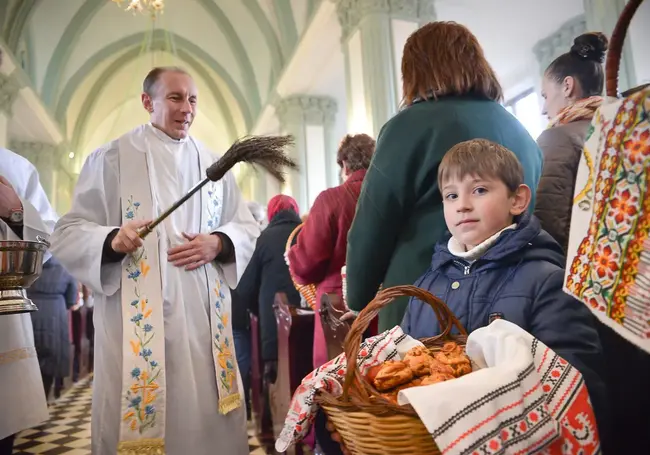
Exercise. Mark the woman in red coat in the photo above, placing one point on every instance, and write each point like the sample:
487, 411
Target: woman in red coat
319, 253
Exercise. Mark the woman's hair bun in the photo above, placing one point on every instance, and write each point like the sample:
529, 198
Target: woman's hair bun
590, 46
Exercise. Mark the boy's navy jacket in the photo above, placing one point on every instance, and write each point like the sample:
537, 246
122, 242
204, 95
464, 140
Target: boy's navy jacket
518, 279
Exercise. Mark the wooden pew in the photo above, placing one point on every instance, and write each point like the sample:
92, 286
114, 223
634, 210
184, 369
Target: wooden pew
260, 408
295, 348
331, 309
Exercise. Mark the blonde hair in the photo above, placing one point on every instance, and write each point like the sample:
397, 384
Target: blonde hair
481, 158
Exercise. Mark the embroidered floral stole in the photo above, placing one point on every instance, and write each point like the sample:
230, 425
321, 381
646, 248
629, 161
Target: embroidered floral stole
142, 426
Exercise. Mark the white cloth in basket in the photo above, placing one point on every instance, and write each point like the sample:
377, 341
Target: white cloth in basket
524, 399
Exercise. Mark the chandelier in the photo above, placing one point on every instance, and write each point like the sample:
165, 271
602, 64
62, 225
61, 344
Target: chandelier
141, 6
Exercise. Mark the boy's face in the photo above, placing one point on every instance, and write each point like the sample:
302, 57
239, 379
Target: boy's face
476, 208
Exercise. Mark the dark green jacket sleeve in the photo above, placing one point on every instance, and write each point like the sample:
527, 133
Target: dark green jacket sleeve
384, 202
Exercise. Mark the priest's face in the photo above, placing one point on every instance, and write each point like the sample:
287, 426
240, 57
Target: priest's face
172, 105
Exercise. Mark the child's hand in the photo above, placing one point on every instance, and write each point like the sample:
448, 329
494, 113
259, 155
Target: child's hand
348, 316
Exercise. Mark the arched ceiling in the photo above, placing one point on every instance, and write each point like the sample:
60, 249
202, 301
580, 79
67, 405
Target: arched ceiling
87, 59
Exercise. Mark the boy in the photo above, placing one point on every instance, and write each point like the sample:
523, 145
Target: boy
499, 263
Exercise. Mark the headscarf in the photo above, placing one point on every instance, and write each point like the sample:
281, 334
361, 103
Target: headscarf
279, 203
582, 110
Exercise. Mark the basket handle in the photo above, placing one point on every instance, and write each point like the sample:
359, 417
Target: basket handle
616, 42
291, 237
446, 319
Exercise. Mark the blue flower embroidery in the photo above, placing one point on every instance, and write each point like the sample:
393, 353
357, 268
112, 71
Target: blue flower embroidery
135, 373
148, 328
149, 409
133, 275
137, 318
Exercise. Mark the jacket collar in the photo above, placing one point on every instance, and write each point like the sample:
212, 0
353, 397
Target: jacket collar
512, 244
356, 176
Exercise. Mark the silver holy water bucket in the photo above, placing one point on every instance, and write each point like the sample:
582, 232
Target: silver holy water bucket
21, 263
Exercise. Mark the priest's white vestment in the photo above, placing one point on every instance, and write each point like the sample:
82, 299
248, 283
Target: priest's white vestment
193, 423
22, 397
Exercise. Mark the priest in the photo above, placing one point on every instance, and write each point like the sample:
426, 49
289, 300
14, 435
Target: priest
25, 213
166, 378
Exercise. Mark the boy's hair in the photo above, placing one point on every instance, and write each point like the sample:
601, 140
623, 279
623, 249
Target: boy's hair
481, 158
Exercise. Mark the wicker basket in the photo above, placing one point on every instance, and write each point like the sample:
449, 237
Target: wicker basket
308, 291
616, 42
368, 423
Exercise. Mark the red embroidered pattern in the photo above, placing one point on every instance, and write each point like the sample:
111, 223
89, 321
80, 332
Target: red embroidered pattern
609, 260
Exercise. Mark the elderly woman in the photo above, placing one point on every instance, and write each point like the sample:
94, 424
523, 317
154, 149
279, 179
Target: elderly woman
451, 95
320, 251
54, 293
267, 274
571, 89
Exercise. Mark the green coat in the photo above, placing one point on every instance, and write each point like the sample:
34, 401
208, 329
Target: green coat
399, 214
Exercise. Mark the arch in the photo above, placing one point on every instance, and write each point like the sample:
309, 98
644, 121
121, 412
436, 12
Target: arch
245, 65
262, 21
130, 55
64, 48
287, 25
133, 40
22, 13
90, 8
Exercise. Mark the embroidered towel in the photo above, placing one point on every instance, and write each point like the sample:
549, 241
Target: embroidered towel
608, 264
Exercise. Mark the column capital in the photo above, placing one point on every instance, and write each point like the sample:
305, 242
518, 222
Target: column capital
312, 109
559, 42
9, 88
351, 12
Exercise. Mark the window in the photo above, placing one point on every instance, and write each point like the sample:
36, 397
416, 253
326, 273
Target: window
528, 111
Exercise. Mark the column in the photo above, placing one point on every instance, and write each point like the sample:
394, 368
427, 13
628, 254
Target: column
9, 87
310, 120
601, 16
373, 37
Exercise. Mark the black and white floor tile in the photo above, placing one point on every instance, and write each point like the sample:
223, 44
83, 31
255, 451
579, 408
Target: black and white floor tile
68, 430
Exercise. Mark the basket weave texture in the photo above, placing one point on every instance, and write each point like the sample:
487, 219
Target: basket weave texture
368, 423
308, 291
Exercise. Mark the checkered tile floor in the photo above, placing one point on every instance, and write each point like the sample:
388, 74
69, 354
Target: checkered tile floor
68, 430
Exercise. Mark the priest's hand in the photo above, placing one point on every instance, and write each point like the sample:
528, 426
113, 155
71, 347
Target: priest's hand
9, 200
127, 239
197, 252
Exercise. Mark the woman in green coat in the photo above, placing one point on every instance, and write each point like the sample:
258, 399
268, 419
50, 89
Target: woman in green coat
451, 95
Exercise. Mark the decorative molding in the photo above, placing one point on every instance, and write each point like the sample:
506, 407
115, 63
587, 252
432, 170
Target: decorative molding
9, 88
351, 12
548, 49
315, 110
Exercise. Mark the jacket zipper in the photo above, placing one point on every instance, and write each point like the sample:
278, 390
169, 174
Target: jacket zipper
467, 268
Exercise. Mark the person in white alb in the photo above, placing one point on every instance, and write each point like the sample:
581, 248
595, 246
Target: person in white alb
25, 213
166, 379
